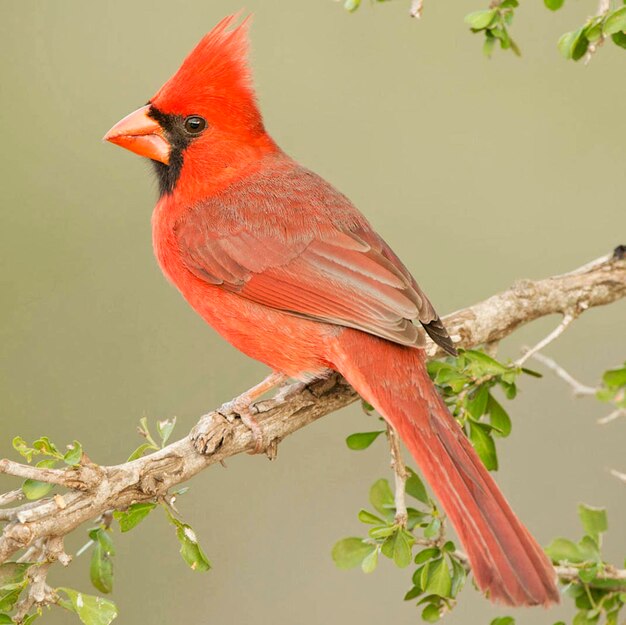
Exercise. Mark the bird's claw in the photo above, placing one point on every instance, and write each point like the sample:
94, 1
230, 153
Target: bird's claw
245, 411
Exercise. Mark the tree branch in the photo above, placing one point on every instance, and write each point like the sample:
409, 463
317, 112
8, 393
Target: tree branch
148, 478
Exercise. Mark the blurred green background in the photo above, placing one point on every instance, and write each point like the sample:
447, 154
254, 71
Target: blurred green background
477, 172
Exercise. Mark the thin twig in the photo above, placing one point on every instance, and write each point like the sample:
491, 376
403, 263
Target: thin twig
578, 388
51, 476
567, 320
603, 7
417, 6
616, 414
619, 475
11, 496
400, 476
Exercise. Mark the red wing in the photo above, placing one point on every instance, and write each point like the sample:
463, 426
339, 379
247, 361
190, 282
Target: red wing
341, 276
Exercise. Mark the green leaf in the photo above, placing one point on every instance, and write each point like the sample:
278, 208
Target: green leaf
20, 445
140, 451
416, 591
488, 45
73, 454
619, 39
165, 429
381, 496
498, 417
503, 620
588, 548
9, 598
431, 613
402, 549
351, 5
477, 402
459, 574
91, 610
481, 364
370, 562
12, 572
594, 520
415, 487
350, 552
553, 5
439, 581
133, 515
45, 446
34, 489
483, 443
427, 554
433, 528
566, 43
190, 550
362, 440
561, 549
101, 567
615, 23
5, 619
480, 19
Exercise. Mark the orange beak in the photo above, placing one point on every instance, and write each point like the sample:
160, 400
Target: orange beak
141, 134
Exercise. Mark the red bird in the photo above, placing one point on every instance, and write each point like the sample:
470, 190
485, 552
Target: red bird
284, 267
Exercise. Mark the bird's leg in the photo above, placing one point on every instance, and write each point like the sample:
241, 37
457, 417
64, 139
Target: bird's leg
243, 406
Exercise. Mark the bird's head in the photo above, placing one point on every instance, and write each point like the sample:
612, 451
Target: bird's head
204, 122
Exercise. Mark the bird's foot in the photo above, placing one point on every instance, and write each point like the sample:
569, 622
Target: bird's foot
243, 408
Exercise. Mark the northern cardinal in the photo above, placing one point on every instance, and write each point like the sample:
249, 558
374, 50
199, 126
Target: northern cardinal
284, 267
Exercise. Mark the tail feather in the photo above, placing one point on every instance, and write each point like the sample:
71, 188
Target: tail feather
506, 561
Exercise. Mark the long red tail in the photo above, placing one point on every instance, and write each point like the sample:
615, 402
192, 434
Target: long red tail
506, 560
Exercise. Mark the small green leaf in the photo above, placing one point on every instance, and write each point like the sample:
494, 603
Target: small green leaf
362, 440
619, 39
20, 445
402, 549
459, 574
381, 496
350, 552
140, 451
477, 401
483, 443
615, 23
431, 613
34, 489
370, 562
133, 515
73, 454
503, 620
91, 610
190, 550
351, 5
480, 19
165, 429
553, 5
5, 619
415, 487
433, 528
439, 581
488, 45
562, 549
45, 446
427, 554
12, 572
101, 567
594, 520
416, 591
498, 417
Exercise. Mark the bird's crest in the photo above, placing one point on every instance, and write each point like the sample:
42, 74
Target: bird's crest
214, 77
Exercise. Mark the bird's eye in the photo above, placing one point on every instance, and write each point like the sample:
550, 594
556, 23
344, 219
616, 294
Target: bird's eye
194, 124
